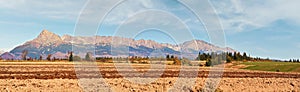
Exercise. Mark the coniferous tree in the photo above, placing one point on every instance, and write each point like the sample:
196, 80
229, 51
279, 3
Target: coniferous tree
228, 58
205, 56
235, 57
54, 58
168, 57
71, 56
41, 57
244, 57
230, 54
172, 56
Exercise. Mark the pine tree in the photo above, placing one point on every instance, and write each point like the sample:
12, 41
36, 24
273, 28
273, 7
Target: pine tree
41, 57
235, 57
168, 57
71, 56
172, 57
245, 56
228, 58
230, 55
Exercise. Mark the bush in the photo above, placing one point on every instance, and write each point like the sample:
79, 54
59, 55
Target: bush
208, 63
186, 61
76, 58
228, 60
177, 62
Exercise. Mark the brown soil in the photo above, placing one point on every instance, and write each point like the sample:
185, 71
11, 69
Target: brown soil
161, 85
62, 77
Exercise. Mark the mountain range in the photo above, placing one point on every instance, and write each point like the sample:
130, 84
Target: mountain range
58, 46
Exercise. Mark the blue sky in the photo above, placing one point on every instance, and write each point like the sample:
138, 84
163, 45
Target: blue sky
265, 28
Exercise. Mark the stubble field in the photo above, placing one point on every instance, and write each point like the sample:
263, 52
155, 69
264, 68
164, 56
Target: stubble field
63, 76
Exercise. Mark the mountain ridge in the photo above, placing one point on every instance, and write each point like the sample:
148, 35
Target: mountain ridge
50, 43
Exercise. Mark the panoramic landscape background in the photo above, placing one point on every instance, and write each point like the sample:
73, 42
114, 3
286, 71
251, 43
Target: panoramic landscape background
149, 46
260, 28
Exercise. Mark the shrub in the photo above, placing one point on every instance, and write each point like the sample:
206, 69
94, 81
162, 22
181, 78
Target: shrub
76, 58
176, 61
186, 61
208, 63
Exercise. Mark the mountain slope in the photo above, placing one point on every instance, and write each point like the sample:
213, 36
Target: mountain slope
49, 43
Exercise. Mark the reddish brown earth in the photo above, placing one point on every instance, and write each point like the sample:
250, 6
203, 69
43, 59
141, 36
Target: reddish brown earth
62, 76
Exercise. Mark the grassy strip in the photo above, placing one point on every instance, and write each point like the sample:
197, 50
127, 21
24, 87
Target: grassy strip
273, 66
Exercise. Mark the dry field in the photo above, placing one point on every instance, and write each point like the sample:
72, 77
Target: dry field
63, 76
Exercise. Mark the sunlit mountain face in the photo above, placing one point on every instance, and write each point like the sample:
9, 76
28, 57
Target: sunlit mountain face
49, 43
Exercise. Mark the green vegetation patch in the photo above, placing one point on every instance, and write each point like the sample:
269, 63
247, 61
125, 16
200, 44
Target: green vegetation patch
273, 66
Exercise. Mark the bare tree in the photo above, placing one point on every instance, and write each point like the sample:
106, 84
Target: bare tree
49, 57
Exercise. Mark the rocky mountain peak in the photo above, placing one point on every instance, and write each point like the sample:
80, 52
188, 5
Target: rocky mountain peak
48, 34
50, 43
66, 38
45, 32
46, 38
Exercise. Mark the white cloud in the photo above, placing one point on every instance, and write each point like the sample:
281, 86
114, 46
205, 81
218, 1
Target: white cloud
240, 15
61, 9
236, 15
70, 9
130, 7
17, 23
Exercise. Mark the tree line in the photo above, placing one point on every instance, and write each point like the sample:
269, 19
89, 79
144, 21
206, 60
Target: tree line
235, 56
212, 58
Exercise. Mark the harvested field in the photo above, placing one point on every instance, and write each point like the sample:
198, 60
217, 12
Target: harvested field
67, 71
16, 76
161, 85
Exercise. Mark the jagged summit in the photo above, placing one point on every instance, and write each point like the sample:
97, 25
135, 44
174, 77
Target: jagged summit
45, 31
51, 43
46, 38
45, 34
